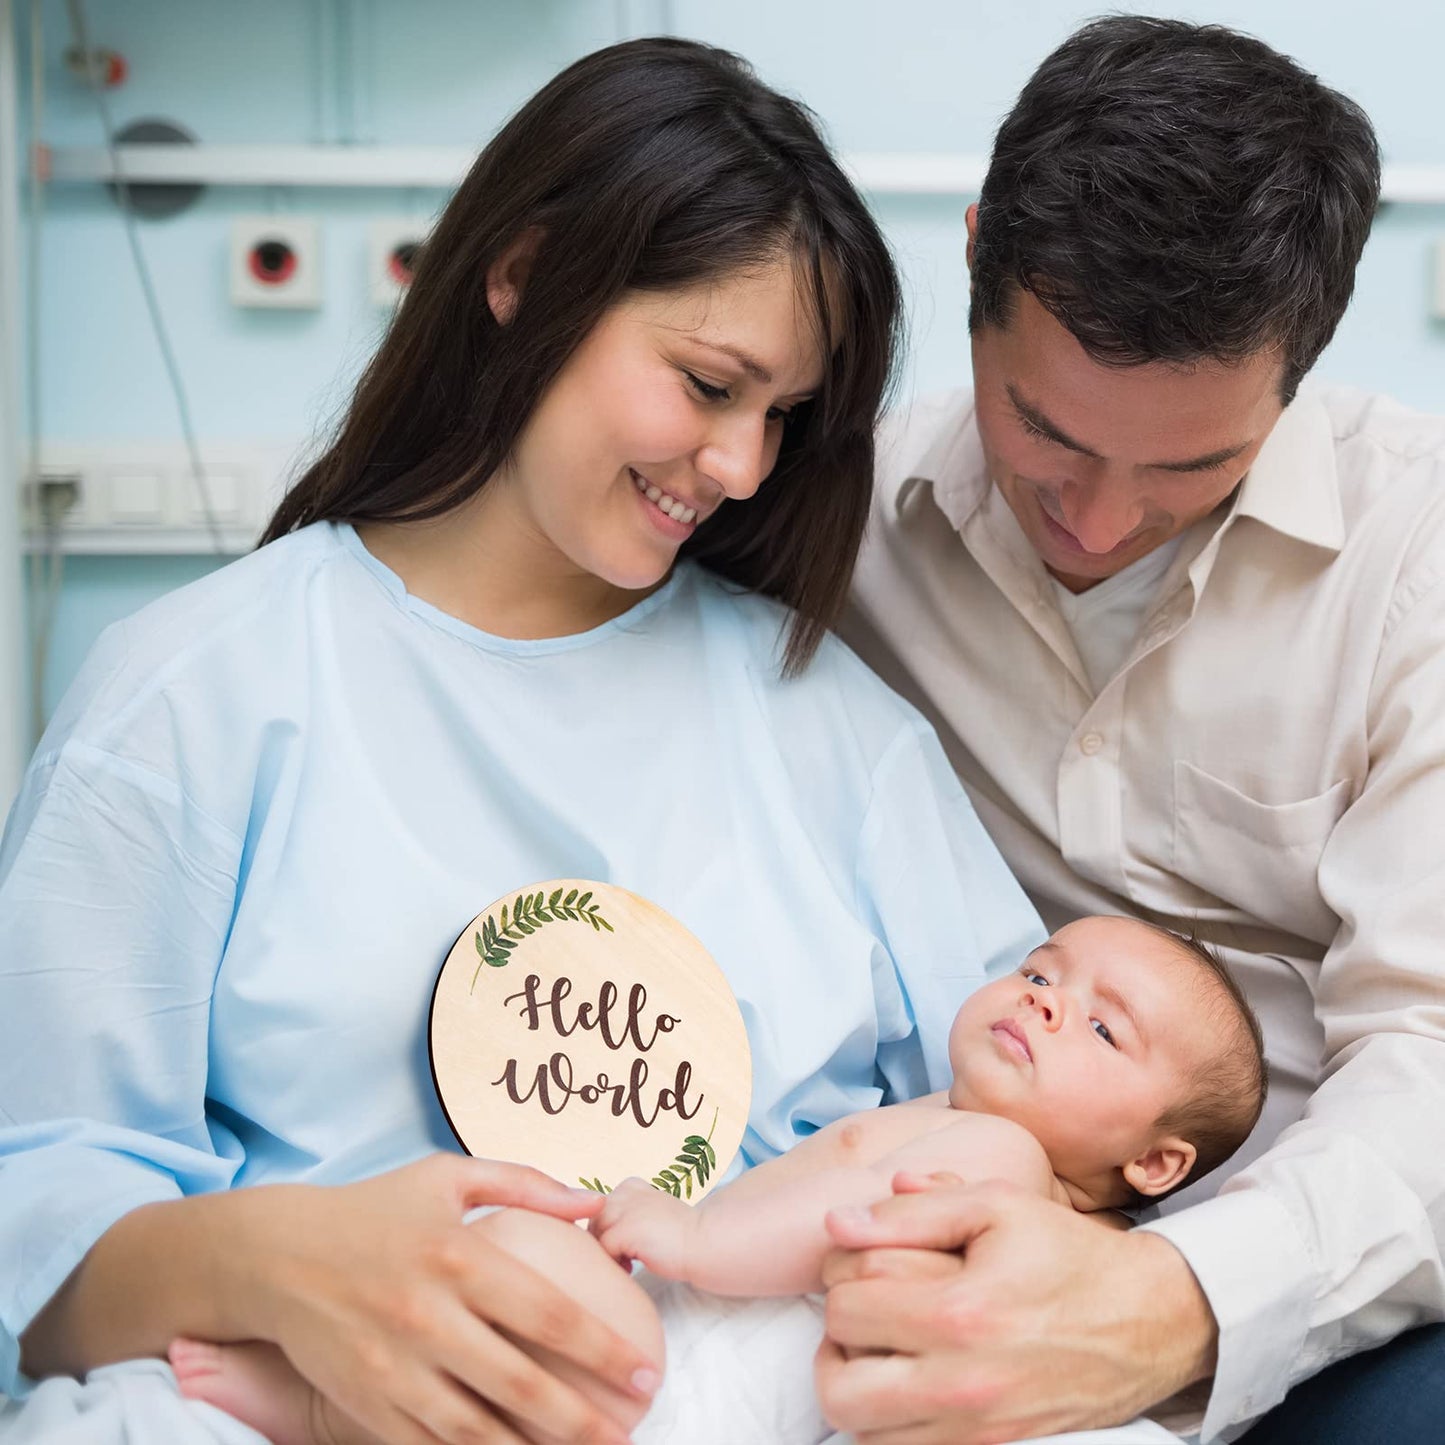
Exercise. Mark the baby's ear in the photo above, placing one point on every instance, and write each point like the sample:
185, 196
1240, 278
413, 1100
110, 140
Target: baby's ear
1161, 1166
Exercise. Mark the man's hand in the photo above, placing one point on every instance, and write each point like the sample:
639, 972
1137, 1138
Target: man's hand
642, 1223
1049, 1324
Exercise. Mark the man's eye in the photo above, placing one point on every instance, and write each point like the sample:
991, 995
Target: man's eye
705, 389
1102, 1029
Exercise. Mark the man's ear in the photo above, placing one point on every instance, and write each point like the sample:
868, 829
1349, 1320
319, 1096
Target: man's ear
507, 275
1160, 1167
970, 219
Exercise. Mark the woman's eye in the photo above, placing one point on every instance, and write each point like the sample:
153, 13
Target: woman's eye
1037, 433
1102, 1029
780, 413
705, 389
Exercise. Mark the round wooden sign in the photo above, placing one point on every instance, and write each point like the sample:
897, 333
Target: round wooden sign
580, 1029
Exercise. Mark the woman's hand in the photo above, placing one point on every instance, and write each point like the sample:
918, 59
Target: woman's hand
401, 1315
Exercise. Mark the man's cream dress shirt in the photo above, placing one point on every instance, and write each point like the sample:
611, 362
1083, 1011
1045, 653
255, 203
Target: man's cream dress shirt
1267, 768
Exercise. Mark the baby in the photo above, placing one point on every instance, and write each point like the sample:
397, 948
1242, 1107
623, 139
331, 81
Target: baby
1119, 1063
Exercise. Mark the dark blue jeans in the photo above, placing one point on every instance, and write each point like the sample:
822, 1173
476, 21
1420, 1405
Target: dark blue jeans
1394, 1395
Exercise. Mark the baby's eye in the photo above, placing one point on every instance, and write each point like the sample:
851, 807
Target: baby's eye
1035, 978
1102, 1029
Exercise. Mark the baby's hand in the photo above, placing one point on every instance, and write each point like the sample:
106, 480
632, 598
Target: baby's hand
640, 1222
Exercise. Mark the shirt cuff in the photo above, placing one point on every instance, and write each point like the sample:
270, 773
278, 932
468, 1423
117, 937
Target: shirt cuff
1257, 1275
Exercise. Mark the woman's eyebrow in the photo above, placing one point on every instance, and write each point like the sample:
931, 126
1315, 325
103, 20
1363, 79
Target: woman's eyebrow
745, 359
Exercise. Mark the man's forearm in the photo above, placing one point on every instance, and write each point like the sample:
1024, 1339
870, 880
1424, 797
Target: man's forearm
1183, 1336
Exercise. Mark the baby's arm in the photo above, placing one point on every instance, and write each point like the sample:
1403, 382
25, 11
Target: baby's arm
763, 1234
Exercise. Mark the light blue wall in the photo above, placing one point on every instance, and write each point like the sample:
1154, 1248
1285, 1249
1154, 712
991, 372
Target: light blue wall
929, 75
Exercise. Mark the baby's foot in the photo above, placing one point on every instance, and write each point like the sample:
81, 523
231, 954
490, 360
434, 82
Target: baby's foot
260, 1387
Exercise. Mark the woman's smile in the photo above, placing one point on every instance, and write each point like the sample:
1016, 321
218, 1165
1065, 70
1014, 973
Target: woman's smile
665, 508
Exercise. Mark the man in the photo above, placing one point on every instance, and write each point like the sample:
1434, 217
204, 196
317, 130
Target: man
1183, 635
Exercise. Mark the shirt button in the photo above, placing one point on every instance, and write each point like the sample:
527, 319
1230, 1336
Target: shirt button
1090, 743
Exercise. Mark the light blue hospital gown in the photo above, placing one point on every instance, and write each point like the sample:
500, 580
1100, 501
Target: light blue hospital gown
272, 800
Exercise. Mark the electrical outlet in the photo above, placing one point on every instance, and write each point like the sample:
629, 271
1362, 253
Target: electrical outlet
394, 247
52, 497
135, 496
141, 497
276, 261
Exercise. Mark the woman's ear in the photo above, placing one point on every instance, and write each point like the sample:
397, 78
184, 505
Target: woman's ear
507, 275
1159, 1168
970, 220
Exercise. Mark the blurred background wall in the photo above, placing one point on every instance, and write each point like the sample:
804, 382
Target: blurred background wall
910, 76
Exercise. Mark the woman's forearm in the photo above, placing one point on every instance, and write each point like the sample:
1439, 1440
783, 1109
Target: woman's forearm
188, 1266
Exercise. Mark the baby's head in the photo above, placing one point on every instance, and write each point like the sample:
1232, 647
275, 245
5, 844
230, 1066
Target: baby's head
1127, 1051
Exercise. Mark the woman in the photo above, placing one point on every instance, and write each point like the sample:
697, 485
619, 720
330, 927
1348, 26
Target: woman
553, 604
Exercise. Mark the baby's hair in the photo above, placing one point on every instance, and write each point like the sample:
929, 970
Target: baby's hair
1225, 1096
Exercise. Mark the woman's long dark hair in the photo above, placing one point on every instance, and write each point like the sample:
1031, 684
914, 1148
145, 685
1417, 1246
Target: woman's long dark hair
652, 165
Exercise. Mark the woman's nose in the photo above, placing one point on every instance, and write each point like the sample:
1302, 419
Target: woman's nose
739, 455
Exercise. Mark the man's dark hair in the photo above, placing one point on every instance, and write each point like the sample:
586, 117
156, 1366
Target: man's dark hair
1177, 192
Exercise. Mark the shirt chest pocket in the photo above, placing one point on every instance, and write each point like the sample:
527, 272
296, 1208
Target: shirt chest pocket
1261, 857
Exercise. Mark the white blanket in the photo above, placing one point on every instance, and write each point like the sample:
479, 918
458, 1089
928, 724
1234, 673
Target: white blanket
739, 1372
135, 1403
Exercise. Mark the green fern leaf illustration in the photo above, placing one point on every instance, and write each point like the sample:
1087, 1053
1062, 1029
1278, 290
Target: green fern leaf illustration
695, 1162
523, 917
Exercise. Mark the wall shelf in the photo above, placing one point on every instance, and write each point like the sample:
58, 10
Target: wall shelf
906, 173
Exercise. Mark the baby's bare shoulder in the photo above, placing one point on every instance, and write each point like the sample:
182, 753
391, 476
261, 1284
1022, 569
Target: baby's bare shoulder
981, 1146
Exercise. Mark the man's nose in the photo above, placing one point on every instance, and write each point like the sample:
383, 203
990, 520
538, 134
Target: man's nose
1101, 513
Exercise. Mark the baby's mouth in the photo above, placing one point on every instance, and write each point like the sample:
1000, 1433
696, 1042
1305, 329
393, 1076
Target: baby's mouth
1014, 1038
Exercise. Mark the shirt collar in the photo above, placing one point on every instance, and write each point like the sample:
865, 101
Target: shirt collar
1293, 486
954, 467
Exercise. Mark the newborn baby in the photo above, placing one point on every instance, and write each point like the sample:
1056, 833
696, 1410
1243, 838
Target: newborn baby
1119, 1063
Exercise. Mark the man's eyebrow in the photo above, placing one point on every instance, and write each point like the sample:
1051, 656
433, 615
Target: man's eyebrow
1206, 463
1110, 994
1040, 422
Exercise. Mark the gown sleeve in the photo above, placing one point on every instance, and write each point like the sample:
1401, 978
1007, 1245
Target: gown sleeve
116, 896
946, 911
